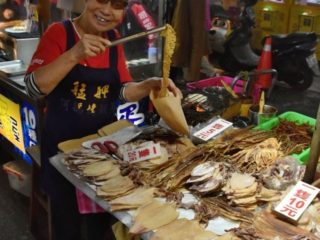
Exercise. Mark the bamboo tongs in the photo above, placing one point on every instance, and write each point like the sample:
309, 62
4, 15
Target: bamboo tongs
136, 36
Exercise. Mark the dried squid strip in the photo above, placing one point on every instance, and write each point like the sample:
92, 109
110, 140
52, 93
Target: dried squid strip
152, 216
163, 173
169, 46
257, 157
224, 209
295, 137
269, 227
238, 139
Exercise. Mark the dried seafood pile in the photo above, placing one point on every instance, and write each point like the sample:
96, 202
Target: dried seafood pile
183, 229
133, 200
208, 177
226, 192
241, 190
173, 174
251, 151
232, 176
283, 173
237, 189
234, 140
211, 207
152, 216
266, 227
255, 158
92, 166
101, 171
294, 137
115, 187
246, 150
310, 220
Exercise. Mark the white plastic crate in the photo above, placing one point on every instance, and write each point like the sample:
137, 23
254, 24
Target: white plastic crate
19, 175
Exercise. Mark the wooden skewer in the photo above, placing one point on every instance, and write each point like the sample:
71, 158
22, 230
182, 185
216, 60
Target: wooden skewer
229, 89
261, 102
136, 36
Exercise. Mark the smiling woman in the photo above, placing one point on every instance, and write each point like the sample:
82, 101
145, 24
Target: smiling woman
82, 77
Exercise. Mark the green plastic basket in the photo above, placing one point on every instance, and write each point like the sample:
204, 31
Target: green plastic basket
297, 118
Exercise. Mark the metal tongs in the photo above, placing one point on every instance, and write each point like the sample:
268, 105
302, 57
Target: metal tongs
137, 35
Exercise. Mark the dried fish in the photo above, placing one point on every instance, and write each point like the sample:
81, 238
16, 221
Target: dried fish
152, 216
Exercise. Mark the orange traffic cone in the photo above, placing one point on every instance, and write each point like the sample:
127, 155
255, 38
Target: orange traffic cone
264, 80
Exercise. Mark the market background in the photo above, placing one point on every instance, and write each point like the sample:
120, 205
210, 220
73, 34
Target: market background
14, 207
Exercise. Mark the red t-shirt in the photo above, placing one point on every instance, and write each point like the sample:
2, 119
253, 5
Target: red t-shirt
53, 44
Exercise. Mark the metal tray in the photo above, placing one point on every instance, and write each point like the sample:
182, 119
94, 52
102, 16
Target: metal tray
13, 68
17, 81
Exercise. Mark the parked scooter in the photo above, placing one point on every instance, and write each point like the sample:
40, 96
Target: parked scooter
293, 55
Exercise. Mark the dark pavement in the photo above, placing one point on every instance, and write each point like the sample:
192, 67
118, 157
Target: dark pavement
286, 99
14, 210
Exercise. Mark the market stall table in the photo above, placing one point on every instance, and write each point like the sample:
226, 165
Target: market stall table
124, 216
187, 160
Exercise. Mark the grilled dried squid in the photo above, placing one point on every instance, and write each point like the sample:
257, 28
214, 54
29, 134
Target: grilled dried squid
208, 177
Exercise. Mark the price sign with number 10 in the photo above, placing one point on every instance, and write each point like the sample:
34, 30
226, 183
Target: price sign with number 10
297, 201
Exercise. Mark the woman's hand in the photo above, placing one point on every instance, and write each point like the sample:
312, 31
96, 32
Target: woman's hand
89, 46
134, 91
173, 88
156, 83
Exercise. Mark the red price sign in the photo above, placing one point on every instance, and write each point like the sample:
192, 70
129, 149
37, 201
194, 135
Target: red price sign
297, 201
143, 153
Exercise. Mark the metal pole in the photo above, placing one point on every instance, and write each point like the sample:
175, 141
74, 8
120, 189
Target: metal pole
314, 153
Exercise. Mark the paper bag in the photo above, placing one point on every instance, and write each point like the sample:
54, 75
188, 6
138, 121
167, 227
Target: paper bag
75, 144
168, 106
114, 127
170, 109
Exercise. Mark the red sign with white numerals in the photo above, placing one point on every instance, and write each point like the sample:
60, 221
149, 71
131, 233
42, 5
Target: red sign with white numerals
297, 201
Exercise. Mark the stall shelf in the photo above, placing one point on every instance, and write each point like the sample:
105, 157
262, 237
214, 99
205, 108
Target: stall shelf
124, 216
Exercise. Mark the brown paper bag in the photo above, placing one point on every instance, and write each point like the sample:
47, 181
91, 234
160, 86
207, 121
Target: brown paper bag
168, 106
114, 127
75, 144
170, 109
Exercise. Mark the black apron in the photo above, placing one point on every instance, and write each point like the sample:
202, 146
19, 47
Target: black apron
82, 102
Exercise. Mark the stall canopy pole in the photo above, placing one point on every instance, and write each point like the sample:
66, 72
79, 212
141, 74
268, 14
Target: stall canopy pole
311, 169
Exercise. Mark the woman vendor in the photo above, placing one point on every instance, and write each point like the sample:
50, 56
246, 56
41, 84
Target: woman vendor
81, 79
